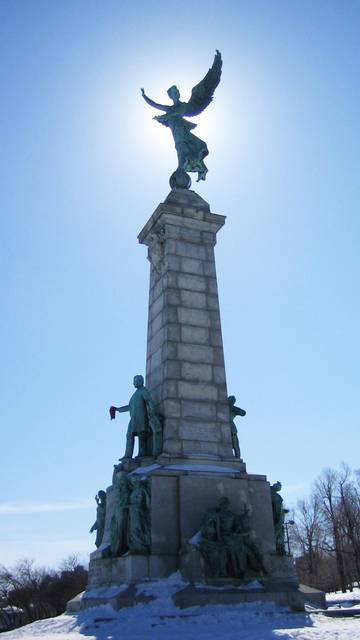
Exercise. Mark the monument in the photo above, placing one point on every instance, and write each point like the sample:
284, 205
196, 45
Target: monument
186, 502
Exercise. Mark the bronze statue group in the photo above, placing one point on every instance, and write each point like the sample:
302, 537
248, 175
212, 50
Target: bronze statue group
130, 522
226, 539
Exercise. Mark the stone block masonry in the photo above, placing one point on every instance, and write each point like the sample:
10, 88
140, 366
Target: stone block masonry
185, 369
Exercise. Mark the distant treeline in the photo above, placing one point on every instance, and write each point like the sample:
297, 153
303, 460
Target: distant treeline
326, 534
29, 593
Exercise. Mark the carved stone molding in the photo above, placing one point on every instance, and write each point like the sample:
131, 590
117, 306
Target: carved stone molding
155, 242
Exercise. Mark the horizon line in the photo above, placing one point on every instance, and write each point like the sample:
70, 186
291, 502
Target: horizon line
44, 507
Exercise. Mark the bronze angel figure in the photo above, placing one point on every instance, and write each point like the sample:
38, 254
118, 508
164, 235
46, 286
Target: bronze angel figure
191, 151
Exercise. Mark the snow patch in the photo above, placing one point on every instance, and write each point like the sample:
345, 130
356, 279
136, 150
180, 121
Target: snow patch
208, 468
161, 620
195, 539
144, 471
98, 553
254, 585
349, 596
104, 592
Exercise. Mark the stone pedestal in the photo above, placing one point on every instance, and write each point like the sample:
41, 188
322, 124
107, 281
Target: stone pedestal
180, 497
181, 494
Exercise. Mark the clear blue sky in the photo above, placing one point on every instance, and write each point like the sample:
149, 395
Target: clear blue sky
83, 166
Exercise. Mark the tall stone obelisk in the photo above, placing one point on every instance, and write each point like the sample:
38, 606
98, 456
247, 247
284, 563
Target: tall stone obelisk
185, 369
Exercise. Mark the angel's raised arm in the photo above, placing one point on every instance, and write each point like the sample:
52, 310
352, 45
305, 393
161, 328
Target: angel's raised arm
161, 107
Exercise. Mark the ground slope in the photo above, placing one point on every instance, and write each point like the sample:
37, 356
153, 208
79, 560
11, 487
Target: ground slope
160, 620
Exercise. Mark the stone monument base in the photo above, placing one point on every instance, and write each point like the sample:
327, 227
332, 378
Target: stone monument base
182, 491
126, 595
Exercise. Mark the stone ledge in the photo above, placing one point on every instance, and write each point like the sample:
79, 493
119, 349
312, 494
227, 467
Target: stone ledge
124, 595
294, 599
237, 466
198, 459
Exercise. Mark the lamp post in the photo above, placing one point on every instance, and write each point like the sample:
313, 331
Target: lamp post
287, 539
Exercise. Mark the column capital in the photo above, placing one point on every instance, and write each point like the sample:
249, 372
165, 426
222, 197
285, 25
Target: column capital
185, 209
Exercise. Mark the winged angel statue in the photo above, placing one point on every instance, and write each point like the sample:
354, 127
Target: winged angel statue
190, 149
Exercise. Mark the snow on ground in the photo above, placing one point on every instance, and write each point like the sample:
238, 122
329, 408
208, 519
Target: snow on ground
161, 620
338, 596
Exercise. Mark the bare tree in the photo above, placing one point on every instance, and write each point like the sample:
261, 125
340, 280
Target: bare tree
326, 535
39, 592
327, 487
71, 562
349, 508
309, 537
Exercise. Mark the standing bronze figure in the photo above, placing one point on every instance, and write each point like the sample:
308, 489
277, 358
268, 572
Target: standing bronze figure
144, 422
279, 514
235, 411
99, 524
191, 151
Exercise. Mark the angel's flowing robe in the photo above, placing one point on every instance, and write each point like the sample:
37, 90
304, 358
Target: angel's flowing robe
191, 150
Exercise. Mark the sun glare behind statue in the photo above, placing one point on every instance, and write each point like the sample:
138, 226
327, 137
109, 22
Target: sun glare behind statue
127, 140
156, 141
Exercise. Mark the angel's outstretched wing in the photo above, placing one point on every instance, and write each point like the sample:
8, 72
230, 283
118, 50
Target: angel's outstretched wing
202, 93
